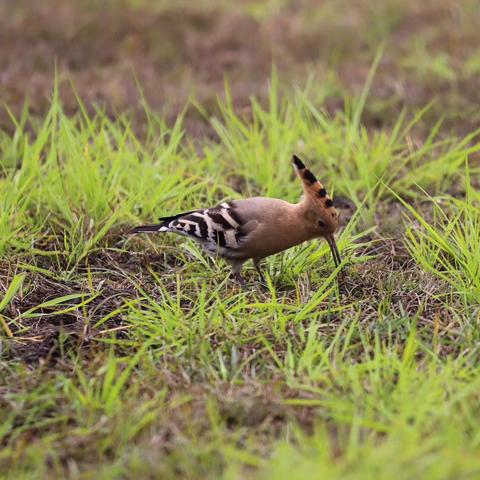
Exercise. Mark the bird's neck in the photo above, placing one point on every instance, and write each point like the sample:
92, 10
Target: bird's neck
296, 224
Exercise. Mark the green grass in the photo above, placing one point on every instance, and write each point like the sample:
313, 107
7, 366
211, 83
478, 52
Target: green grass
448, 246
136, 357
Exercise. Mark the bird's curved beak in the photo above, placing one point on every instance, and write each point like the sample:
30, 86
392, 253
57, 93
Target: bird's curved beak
335, 253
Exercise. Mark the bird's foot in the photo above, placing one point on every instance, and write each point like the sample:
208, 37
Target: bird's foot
263, 280
238, 277
244, 284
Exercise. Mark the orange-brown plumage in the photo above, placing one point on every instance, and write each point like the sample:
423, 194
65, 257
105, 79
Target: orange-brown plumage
257, 227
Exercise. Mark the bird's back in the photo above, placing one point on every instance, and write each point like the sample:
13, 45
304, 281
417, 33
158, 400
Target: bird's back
250, 228
270, 226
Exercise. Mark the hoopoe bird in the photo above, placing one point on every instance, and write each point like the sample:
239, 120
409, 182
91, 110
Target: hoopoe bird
257, 227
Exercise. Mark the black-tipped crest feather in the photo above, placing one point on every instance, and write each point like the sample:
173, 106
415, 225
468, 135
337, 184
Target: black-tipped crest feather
309, 176
298, 163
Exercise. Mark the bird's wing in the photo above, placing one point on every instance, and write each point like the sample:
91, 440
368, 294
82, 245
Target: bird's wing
220, 230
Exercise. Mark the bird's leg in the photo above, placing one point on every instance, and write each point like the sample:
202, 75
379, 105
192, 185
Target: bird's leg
256, 264
236, 269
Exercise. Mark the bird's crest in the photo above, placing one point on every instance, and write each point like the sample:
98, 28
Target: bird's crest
313, 189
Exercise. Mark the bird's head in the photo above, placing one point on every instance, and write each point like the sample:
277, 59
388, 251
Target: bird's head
319, 211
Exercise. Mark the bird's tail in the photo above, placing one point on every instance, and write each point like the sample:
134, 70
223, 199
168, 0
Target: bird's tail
158, 227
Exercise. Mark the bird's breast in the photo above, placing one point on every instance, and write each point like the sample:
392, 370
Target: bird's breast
268, 239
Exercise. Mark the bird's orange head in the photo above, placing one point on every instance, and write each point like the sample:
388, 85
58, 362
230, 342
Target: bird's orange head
318, 207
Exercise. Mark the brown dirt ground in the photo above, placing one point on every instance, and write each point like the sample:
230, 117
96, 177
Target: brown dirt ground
180, 49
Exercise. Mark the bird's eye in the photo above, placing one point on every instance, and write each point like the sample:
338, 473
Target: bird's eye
321, 223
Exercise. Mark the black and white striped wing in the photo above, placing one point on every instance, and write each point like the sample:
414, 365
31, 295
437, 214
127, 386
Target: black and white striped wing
218, 229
